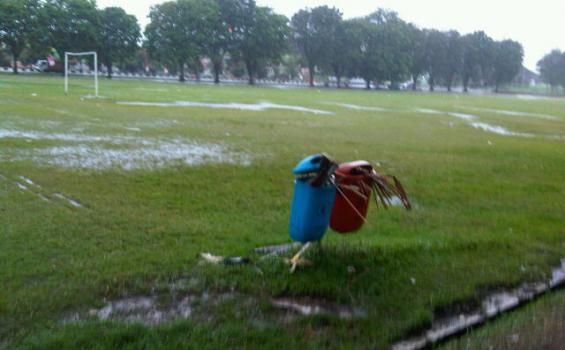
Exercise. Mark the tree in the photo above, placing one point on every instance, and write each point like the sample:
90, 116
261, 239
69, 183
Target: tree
477, 58
340, 48
393, 46
436, 55
507, 61
363, 37
174, 35
18, 18
418, 63
217, 37
552, 68
259, 36
119, 34
453, 59
316, 34
68, 25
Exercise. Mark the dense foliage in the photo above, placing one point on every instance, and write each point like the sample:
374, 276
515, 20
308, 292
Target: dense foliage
380, 48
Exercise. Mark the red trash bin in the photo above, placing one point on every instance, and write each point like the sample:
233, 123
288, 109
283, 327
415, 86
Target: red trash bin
352, 197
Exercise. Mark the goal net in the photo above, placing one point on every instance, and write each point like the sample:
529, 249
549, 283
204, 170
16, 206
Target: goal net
80, 54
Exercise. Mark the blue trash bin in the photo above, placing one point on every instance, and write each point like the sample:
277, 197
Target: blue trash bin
311, 205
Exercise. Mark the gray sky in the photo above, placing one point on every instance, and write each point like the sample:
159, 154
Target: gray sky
539, 25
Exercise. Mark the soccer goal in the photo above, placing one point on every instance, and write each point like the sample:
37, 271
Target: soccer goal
90, 53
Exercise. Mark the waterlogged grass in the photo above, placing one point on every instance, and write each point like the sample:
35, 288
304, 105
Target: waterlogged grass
488, 210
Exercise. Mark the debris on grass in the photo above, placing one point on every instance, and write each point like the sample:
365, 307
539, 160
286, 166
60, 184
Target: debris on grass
277, 249
214, 259
492, 306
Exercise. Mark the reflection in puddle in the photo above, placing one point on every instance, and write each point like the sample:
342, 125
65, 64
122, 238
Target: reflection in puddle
240, 106
493, 305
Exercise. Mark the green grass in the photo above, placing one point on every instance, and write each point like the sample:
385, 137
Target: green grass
488, 211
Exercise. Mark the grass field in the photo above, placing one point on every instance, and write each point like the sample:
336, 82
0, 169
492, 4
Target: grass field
122, 198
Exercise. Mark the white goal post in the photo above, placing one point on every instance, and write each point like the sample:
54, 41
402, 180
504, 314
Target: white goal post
67, 54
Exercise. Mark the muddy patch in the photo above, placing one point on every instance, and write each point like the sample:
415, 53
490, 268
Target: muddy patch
491, 306
261, 106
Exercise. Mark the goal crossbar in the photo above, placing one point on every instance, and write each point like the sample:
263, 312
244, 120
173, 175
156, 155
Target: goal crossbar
88, 53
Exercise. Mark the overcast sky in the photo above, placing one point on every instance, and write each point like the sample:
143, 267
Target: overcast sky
539, 25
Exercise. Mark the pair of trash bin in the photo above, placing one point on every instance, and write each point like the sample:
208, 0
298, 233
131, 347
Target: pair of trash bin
327, 194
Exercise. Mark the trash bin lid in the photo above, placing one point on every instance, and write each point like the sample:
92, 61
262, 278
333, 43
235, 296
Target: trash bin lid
352, 168
309, 164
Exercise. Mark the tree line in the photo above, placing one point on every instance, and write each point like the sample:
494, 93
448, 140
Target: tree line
239, 35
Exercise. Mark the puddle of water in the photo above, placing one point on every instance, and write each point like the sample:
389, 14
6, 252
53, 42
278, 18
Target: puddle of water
362, 108
38, 135
496, 129
240, 106
514, 113
146, 153
71, 201
428, 111
157, 155
21, 186
144, 310
28, 181
312, 307
464, 116
150, 311
492, 306
530, 97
